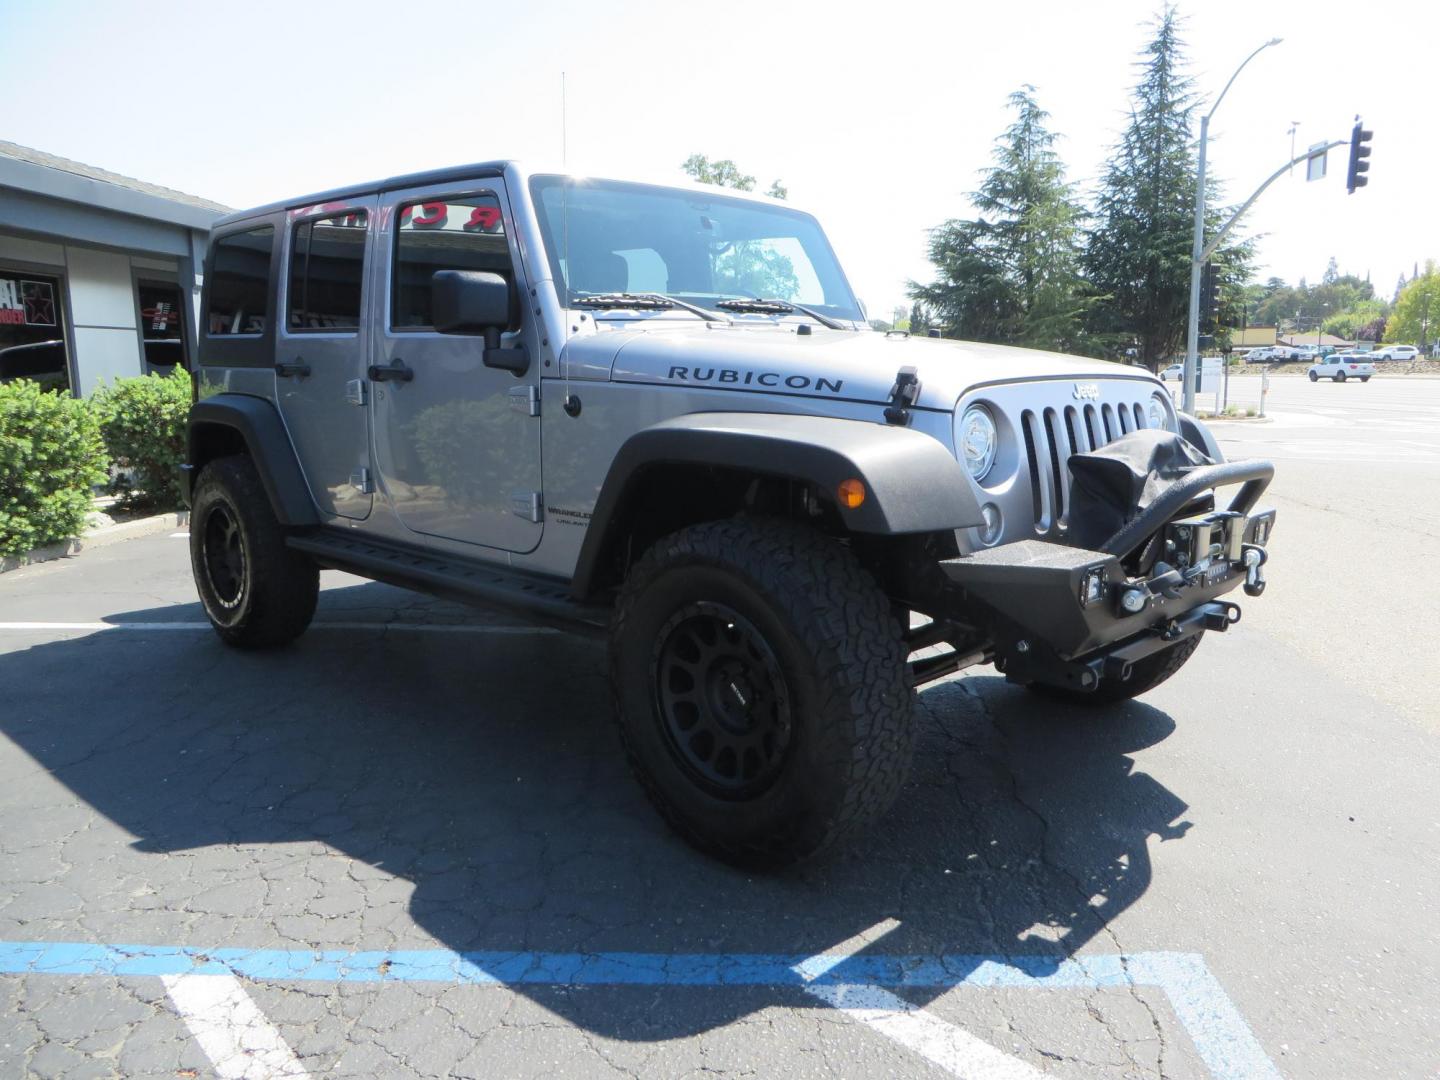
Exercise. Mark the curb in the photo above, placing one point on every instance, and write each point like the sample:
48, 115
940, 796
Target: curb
98, 538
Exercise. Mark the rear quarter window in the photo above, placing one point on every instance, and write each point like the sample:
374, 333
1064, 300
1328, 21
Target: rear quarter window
239, 283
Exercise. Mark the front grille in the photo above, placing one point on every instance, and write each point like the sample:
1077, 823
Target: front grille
1052, 433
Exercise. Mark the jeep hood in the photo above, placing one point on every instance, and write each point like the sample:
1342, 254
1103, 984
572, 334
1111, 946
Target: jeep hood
849, 365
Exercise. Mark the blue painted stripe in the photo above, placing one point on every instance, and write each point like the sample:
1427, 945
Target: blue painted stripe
558, 969
1221, 1036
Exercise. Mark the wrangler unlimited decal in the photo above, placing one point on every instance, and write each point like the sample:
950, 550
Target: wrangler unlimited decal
754, 378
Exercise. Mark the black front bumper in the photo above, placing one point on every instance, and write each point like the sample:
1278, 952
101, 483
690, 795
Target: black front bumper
1071, 616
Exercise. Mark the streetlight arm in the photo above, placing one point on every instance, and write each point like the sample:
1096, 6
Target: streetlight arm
1257, 52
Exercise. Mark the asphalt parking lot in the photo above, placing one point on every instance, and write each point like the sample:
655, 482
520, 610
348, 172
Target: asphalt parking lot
408, 846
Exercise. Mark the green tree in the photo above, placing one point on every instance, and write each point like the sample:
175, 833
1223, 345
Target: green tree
1417, 312
1138, 256
725, 173
722, 173
1012, 274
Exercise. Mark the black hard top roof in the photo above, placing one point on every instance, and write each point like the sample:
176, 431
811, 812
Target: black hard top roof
352, 191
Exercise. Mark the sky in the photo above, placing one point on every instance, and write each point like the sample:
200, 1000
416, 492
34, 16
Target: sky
878, 117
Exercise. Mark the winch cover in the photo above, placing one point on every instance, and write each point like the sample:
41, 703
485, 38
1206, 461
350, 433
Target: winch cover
1114, 485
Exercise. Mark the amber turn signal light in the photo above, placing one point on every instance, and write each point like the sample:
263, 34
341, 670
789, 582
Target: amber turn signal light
851, 493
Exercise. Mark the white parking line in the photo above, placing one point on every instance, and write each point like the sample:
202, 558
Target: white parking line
426, 628
952, 1048
231, 1029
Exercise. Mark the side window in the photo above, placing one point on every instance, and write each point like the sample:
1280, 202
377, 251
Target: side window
240, 282
457, 234
327, 257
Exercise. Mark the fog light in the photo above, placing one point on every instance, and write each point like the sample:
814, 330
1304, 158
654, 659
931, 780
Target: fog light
992, 523
1133, 600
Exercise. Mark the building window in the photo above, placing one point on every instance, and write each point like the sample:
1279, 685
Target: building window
459, 234
32, 334
239, 285
327, 264
161, 330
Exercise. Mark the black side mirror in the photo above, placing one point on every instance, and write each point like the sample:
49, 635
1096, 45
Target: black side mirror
477, 302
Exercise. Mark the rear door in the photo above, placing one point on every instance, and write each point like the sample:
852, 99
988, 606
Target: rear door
321, 349
457, 444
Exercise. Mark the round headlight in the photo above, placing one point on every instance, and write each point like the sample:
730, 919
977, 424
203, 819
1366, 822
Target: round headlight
1159, 418
977, 440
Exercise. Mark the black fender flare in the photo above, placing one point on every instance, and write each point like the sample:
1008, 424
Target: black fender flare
1199, 436
913, 484
257, 422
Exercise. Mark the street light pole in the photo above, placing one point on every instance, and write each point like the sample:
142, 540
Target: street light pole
1197, 262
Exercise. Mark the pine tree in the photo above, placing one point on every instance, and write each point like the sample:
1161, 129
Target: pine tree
1138, 256
1012, 274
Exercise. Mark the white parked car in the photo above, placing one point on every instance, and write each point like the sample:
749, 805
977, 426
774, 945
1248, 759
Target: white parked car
1396, 352
1337, 367
1174, 371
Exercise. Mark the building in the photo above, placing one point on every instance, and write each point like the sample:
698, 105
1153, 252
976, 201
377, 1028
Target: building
99, 274
1310, 337
1253, 337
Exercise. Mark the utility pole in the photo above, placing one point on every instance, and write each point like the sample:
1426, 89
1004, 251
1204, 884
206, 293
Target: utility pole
1192, 334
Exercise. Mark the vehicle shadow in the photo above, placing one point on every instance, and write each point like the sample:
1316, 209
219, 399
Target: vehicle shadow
476, 783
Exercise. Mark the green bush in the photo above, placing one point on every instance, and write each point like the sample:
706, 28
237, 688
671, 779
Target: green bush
143, 422
51, 456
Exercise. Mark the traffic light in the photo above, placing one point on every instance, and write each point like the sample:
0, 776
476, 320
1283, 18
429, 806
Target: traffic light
1359, 151
1209, 296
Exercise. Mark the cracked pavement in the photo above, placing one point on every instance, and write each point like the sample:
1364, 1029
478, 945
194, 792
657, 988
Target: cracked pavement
381, 789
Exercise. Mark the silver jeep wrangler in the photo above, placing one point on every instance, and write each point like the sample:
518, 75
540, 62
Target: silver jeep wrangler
657, 413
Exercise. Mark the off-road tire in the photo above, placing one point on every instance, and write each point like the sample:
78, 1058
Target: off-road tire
256, 591
843, 680
1145, 675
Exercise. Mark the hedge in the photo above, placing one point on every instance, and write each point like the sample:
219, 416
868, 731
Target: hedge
143, 424
51, 457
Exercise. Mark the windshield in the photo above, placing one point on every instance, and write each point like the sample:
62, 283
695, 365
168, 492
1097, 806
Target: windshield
693, 245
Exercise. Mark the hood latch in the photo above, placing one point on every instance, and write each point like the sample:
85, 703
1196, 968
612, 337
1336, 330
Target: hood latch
902, 396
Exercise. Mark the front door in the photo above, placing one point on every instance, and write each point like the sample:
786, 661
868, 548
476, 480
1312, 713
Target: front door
321, 349
457, 443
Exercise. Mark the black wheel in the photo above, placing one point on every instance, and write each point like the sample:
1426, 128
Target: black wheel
1314, 377
1145, 675
1364, 378
256, 591
1339, 376
761, 689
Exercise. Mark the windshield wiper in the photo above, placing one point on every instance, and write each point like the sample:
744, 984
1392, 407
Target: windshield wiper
643, 302
777, 307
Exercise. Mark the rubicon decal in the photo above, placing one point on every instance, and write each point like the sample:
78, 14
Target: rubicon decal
731, 377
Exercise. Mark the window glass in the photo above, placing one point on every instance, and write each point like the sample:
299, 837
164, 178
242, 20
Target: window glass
160, 328
457, 234
239, 282
605, 236
326, 268
32, 338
